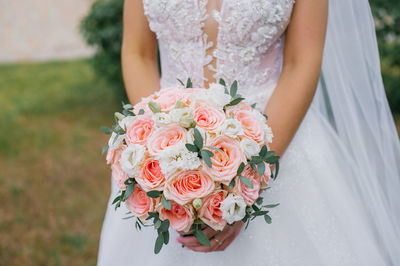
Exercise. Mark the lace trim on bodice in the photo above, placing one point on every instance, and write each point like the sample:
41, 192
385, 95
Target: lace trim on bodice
249, 31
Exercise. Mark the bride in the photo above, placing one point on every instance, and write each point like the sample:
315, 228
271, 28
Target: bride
317, 78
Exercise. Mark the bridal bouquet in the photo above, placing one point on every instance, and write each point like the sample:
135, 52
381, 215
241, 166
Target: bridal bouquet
188, 157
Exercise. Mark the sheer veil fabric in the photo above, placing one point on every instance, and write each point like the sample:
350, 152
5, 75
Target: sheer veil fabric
339, 183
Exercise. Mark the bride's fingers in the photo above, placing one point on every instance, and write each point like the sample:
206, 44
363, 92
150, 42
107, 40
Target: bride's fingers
215, 242
226, 243
192, 241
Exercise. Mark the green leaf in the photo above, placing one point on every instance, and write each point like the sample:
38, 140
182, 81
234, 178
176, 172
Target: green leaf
253, 166
270, 206
261, 168
276, 170
266, 117
222, 82
181, 82
214, 148
138, 226
226, 91
259, 200
193, 124
232, 184
255, 207
166, 237
129, 191
157, 224
206, 157
116, 199
246, 182
153, 194
154, 107
202, 238
259, 213
240, 168
191, 147
235, 101
127, 113
106, 130
198, 139
263, 151
233, 89
253, 105
166, 203
164, 225
104, 150
268, 219
129, 217
141, 111
159, 243
189, 83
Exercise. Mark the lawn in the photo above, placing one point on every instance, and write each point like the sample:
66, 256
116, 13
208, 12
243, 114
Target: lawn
54, 183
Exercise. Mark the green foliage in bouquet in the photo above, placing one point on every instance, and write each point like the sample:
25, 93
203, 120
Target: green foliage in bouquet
102, 29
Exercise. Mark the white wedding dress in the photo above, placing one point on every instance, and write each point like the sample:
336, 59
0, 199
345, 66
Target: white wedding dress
323, 218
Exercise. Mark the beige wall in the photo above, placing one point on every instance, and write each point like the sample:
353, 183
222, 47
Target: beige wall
32, 30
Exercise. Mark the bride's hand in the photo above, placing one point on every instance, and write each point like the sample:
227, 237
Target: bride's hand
219, 240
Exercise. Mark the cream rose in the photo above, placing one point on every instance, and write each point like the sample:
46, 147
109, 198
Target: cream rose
231, 127
233, 208
131, 158
185, 186
182, 116
250, 147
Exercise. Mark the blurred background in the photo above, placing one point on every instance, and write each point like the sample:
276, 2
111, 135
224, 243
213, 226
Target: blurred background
60, 80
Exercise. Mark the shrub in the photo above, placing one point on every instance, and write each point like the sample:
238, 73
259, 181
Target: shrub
102, 29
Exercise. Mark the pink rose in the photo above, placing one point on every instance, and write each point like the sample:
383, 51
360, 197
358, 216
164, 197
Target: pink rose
248, 194
266, 176
208, 117
180, 217
210, 212
167, 98
139, 130
139, 203
165, 137
143, 104
238, 107
251, 126
185, 186
113, 156
119, 175
151, 177
225, 163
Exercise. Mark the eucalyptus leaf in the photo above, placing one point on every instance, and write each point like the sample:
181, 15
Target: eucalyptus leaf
233, 89
166, 237
202, 238
270, 206
214, 148
246, 182
268, 219
240, 168
259, 201
276, 170
154, 107
106, 130
164, 225
198, 139
232, 184
166, 203
181, 82
259, 213
253, 105
159, 243
104, 150
141, 111
261, 168
157, 224
129, 217
191, 147
206, 158
222, 82
235, 101
189, 83
153, 193
116, 199
263, 151
129, 191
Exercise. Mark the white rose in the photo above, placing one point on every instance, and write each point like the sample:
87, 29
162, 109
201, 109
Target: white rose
131, 158
178, 158
115, 141
259, 116
233, 208
268, 135
198, 97
217, 96
161, 119
250, 147
231, 127
182, 116
126, 122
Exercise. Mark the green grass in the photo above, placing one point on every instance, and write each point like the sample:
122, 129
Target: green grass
54, 183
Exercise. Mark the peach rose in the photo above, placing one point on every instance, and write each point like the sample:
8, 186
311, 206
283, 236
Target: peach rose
167, 98
251, 126
139, 203
151, 177
180, 217
210, 212
208, 117
185, 186
248, 194
165, 137
238, 107
139, 130
119, 175
225, 163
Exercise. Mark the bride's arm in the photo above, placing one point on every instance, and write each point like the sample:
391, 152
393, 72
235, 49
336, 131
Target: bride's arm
292, 97
138, 53
300, 71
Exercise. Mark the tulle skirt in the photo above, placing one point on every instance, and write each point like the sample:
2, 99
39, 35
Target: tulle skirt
320, 220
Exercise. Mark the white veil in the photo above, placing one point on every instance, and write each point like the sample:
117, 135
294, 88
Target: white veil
351, 95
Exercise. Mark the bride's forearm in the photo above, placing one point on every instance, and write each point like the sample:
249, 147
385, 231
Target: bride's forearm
141, 77
290, 102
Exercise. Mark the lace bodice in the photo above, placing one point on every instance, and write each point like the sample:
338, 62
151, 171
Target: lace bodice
248, 45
